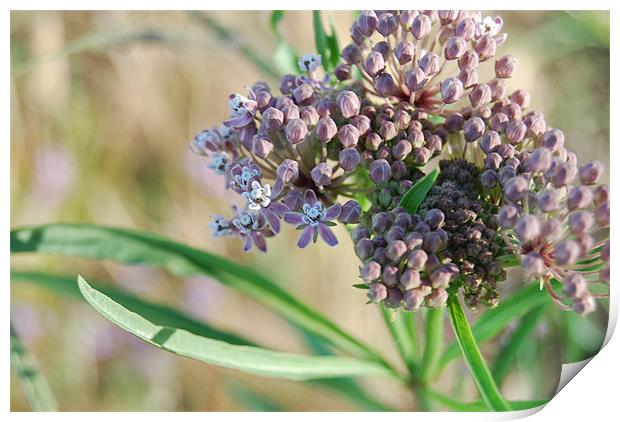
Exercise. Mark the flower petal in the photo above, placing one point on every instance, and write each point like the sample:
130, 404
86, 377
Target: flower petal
333, 212
278, 207
294, 218
259, 241
305, 237
272, 218
247, 246
310, 197
238, 122
327, 235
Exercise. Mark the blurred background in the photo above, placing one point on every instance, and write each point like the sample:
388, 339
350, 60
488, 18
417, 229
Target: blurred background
103, 105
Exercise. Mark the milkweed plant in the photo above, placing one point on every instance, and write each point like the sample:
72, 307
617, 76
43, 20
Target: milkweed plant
445, 180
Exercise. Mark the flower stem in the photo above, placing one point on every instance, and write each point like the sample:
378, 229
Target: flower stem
471, 353
433, 344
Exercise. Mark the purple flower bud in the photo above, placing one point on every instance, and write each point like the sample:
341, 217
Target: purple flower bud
380, 255
416, 259
432, 263
288, 171
602, 214
322, 174
367, 22
364, 249
421, 156
575, 285
310, 116
390, 275
429, 63
567, 252
486, 47
395, 233
552, 230
272, 118
403, 220
536, 125
533, 265
434, 218
382, 47
394, 296
374, 64
480, 95
396, 249
468, 61
451, 90
349, 104
348, 135
579, 197
488, 179
349, 158
415, 79
498, 122
601, 194
505, 67
402, 119
370, 271
443, 275
454, 122
489, 141
540, 160
414, 240
261, 146
296, 131
385, 85
563, 174
385, 153
527, 228
303, 94
434, 144
413, 299
402, 149
549, 200
553, 139
380, 171
584, 305
343, 72
505, 174
410, 279
465, 28
432, 242
351, 54
421, 26
377, 292
404, 51
373, 141
387, 24
507, 216
473, 129
521, 97
326, 129
590, 173
359, 232
515, 131
455, 48
380, 222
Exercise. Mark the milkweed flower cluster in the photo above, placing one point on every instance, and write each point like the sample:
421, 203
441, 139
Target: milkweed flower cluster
507, 183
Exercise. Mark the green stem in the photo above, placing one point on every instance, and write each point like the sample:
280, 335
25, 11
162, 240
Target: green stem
482, 376
398, 330
433, 344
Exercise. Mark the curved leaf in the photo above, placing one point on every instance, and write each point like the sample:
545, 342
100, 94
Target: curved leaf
479, 406
134, 247
477, 367
250, 359
412, 199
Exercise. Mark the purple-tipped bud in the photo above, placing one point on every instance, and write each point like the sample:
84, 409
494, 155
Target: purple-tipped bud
489, 141
415, 79
579, 197
310, 116
385, 85
288, 171
486, 47
488, 179
349, 104
516, 188
575, 285
380, 171
521, 97
364, 249
421, 26
580, 222
303, 94
349, 159
322, 174
602, 214
553, 139
380, 222
601, 194
387, 24
552, 230
469, 78
410, 279
374, 64
272, 118
370, 271
498, 122
429, 63
359, 232
348, 135
416, 259
473, 129
382, 47
563, 174
413, 299
536, 125
451, 90
396, 249
402, 149
533, 265
567, 252
584, 305
466, 28
480, 95
469, 60
377, 292
403, 220
404, 52
540, 160
432, 263
343, 72
421, 156
527, 228
367, 22
390, 275
454, 122
505, 67
351, 54
515, 131
296, 131
261, 146
455, 48
432, 242
505, 174
590, 173
507, 216
394, 297
395, 233
326, 129
443, 275
373, 141
434, 218
549, 200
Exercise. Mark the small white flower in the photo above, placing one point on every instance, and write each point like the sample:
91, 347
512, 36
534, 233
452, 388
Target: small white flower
226, 133
219, 162
489, 25
313, 214
259, 197
246, 222
219, 226
236, 104
309, 62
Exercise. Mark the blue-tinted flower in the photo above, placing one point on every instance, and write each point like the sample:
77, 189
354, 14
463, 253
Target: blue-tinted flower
314, 219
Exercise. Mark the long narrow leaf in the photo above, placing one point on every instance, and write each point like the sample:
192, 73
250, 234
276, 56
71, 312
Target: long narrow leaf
35, 386
249, 359
320, 38
479, 406
518, 339
477, 367
495, 320
395, 325
434, 335
412, 199
156, 313
134, 247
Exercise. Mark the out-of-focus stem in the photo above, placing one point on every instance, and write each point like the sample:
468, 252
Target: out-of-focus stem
433, 345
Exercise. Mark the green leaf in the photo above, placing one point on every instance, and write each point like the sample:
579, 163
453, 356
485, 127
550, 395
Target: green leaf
397, 326
434, 338
274, 22
320, 39
477, 367
285, 56
156, 313
249, 359
250, 399
479, 406
333, 47
35, 386
412, 199
493, 321
518, 340
134, 247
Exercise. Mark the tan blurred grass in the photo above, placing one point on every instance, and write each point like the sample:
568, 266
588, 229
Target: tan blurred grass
101, 136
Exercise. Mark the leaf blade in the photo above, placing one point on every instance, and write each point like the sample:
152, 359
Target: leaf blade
413, 198
249, 359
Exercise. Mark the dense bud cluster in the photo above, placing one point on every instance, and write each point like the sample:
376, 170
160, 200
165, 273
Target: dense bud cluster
507, 184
